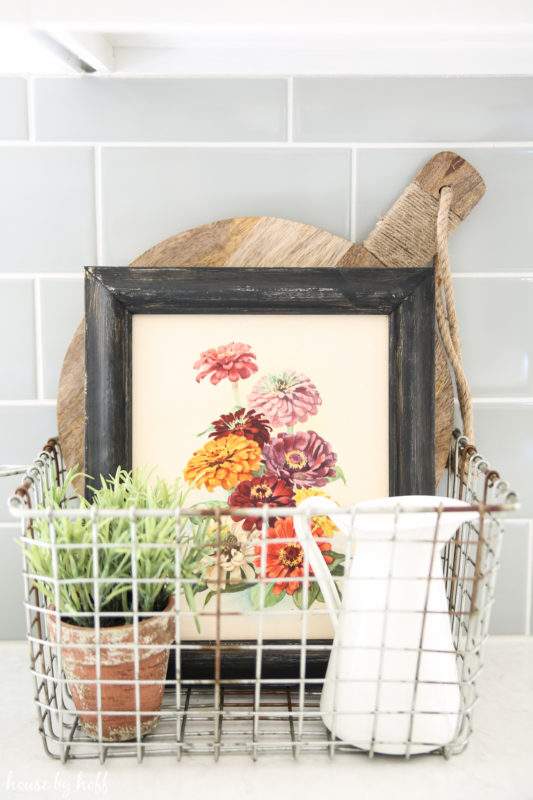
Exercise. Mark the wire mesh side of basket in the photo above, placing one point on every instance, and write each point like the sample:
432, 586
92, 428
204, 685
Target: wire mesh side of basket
258, 693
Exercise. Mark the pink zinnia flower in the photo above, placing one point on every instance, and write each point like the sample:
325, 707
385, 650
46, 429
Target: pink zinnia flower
234, 361
303, 458
285, 399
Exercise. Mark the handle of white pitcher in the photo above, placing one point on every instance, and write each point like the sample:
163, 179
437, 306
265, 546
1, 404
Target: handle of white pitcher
328, 587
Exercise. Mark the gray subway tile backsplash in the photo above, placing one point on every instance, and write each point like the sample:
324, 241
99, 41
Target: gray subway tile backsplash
171, 190
408, 109
504, 434
494, 237
61, 312
8, 486
17, 334
509, 610
47, 209
23, 432
55, 208
12, 614
155, 109
13, 109
495, 318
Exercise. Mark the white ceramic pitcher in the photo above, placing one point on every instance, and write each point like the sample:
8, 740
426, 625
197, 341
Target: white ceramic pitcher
391, 683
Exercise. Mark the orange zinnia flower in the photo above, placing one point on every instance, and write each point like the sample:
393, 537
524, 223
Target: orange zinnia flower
223, 462
285, 560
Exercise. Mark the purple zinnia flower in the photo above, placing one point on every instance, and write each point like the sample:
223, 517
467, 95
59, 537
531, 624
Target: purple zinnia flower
285, 399
303, 458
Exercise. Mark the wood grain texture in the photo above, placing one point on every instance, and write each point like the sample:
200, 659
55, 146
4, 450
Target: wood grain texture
450, 169
271, 242
107, 343
248, 242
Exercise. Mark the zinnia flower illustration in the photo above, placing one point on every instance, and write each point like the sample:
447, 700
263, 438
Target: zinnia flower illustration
266, 490
235, 563
303, 458
285, 399
285, 559
223, 462
243, 423
234, 361
326, 525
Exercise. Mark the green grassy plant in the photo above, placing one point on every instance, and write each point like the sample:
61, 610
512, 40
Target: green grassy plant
153, 561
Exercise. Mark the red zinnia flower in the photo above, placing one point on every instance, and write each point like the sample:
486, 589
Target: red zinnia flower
243, 423
267, 490
234, 360
286, 559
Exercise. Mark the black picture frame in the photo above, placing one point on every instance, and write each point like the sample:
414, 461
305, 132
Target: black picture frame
405, 295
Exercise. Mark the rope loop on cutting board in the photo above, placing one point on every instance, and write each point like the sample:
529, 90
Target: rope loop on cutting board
446, 315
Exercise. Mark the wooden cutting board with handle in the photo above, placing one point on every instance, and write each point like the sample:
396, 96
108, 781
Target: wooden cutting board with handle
405, 237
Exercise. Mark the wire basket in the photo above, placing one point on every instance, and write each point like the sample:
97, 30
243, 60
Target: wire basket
395, 673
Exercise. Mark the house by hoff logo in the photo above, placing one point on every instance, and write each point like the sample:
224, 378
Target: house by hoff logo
65, 786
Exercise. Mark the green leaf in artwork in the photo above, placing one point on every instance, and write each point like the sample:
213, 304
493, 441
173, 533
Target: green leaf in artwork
189, 595
337, 571
230, 588
238, 587
338, 561
270, 599
207, 430
339, 476
254, 597
260, 471
312, 595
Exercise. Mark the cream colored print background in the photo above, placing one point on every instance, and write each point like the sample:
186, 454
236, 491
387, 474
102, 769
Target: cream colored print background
345, 356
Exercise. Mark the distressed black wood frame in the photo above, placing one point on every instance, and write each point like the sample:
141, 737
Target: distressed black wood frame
406, 296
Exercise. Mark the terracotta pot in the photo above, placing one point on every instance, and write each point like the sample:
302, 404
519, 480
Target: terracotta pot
116, 664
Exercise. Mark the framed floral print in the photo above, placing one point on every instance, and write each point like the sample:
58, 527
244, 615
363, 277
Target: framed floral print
262, 386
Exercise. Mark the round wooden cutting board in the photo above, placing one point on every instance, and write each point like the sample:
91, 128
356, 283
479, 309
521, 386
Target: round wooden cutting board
404, 237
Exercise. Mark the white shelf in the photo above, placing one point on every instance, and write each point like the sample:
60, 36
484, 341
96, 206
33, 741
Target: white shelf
209, 37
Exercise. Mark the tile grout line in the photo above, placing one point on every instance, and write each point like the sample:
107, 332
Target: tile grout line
30, 92
508, 400
98, 215
471, 275
250, 75
42, 403
304, 145
529, 584
39, 367
290, 109
526, 275
31, 276
353, 196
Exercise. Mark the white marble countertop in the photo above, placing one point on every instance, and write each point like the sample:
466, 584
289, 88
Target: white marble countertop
498, 763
